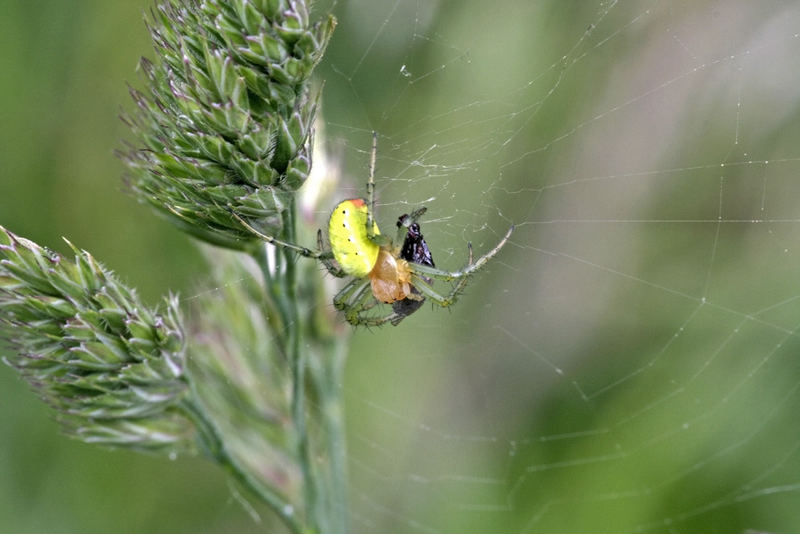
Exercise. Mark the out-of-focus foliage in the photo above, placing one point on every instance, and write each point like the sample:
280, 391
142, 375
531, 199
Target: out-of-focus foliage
245, 388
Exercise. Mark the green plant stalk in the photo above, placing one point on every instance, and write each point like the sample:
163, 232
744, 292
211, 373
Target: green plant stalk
297, 359
272, 305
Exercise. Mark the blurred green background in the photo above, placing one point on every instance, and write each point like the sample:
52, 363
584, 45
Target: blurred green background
628, 363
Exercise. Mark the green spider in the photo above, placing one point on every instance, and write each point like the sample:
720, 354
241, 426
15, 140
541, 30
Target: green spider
382, 270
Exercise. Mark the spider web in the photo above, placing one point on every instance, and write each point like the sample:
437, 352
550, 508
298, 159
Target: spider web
627, 363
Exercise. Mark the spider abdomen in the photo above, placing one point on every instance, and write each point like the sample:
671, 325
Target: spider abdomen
347, 230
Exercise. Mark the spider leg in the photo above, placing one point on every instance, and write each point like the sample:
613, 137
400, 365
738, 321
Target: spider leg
355, 299
444, 301
350, 294
372, 320
326, 258
303, 251
393, 318
371, 187
467, 270
462, 282
462, 277
359, 304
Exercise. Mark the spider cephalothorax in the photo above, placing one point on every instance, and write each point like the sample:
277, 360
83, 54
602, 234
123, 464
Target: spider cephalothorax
390, 278
381, 271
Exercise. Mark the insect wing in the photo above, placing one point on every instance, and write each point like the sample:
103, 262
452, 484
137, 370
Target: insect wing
415, 249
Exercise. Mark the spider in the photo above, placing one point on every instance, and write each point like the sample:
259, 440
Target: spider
381, 271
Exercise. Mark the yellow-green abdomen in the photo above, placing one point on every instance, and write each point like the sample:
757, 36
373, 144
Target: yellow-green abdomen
347, 231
